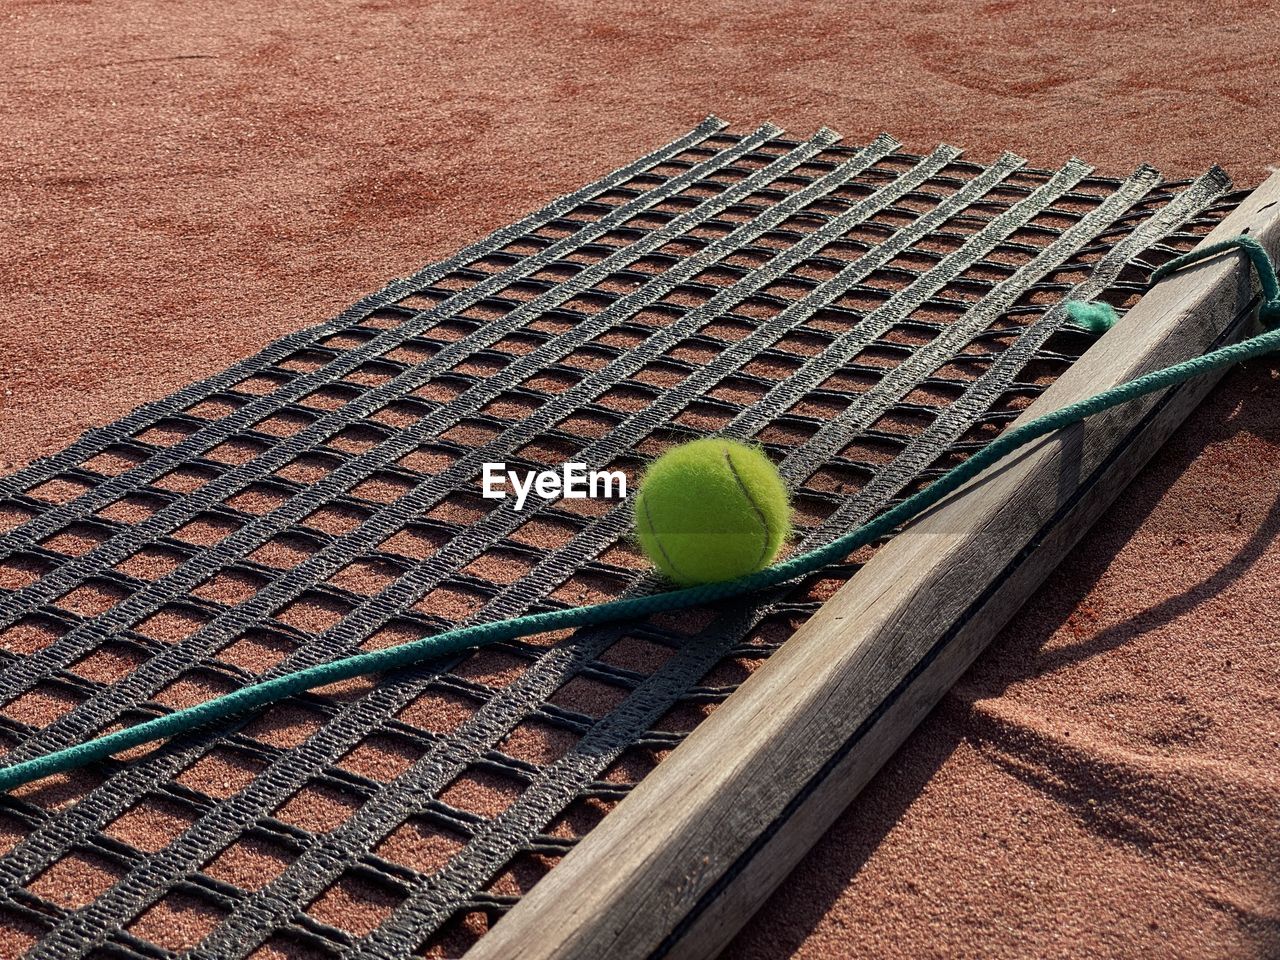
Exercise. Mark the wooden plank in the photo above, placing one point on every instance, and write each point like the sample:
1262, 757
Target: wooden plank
696, 848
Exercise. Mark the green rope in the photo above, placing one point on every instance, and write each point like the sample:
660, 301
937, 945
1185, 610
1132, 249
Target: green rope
429, 648
1096, 316
1269, 311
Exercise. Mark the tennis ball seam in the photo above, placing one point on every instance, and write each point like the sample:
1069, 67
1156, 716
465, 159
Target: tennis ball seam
767, 533
657, 540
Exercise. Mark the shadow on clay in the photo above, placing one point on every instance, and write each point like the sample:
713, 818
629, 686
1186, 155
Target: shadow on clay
845, 850
1256, 421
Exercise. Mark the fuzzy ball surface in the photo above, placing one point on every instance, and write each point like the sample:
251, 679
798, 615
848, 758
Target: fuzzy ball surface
711, 510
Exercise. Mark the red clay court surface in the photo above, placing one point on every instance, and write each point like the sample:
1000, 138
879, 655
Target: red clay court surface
183, 184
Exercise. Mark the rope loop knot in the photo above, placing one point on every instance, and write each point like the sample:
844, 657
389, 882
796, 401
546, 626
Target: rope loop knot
1263, 268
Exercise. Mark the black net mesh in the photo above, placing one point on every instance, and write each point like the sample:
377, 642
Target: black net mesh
868, 315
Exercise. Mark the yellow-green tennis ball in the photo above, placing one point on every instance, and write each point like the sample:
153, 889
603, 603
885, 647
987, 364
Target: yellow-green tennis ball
711, 510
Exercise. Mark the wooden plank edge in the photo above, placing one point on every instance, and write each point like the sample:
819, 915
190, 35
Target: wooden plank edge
702, 841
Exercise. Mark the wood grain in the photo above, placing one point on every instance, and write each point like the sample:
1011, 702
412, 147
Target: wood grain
695, 849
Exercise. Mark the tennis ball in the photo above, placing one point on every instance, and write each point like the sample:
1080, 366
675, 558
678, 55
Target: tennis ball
710, 510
